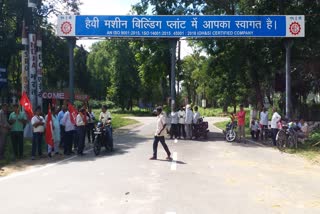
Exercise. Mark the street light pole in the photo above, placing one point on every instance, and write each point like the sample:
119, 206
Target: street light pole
173, 44
32, 6
288, 45
71, 44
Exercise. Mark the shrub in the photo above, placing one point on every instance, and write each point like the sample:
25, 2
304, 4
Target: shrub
96, 104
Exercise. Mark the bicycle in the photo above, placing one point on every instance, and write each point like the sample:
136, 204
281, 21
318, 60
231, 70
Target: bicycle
287, 137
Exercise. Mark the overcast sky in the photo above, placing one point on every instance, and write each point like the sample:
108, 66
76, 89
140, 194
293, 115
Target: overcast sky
113, 7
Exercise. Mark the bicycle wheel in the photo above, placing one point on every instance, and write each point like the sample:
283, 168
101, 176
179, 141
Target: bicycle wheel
281, 140
292, 140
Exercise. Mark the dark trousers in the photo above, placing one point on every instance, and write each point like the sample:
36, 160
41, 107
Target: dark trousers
255, 134
263, 132
90, 131
274, 135
109, 137
81, 130
181, 131
163, 143
37, 143
75, 140
68, 142
174, 131
62, 135
17, 143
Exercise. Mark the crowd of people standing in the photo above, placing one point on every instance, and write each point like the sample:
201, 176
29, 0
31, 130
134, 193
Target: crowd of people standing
69, 130
180, 122
260, 124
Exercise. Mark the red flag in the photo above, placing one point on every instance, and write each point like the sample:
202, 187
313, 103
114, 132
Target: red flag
25, 103
73, 113
49, 130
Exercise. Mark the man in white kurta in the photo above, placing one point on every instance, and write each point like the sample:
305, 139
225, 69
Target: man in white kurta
159, 135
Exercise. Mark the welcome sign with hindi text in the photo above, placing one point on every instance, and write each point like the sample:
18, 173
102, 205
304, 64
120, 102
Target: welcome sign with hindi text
181, 26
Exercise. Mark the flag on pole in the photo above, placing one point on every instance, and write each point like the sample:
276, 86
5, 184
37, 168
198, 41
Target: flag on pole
25, 103
49, 129
73, 113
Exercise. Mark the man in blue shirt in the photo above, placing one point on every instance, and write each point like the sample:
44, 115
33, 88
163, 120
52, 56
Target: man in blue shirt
62, 130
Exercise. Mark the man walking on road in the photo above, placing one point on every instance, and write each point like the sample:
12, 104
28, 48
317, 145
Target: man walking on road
159, 135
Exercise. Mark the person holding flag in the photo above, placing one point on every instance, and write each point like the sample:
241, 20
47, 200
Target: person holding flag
26, 104
69, 121
52, 131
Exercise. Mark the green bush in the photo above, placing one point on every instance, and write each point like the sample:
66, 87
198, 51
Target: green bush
314, 137
96, 104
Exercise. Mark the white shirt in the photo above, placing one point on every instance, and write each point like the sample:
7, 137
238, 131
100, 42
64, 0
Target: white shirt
275, 119
255, 126
66, 122
161, 122
264, 118
304, 128
35, 119
103, 117
79, 120
182, 116
196, 117
91, 117
174, 118
189, 116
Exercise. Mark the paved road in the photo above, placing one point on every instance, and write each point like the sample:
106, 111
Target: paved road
207, 177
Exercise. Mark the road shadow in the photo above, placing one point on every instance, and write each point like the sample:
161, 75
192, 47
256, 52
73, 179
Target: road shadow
178, 162
124, 142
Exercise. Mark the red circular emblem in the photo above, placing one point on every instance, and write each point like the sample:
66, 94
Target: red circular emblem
66, 27
295, 28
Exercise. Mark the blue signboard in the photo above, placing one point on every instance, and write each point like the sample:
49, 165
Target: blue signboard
181, 26
3, 77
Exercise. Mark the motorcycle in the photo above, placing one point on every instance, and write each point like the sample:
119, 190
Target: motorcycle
200, 129
230, 133
103, 138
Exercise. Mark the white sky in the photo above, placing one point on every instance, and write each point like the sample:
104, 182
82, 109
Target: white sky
114, 7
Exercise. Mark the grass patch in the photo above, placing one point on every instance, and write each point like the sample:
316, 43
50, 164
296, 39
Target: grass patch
119, 120
213, 112
310, 149
135, 112
221, 125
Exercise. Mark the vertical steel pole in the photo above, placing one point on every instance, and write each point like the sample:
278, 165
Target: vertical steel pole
39, 69
71, 44
288, 45
179, 67
24, 60
32, 57
173, 73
